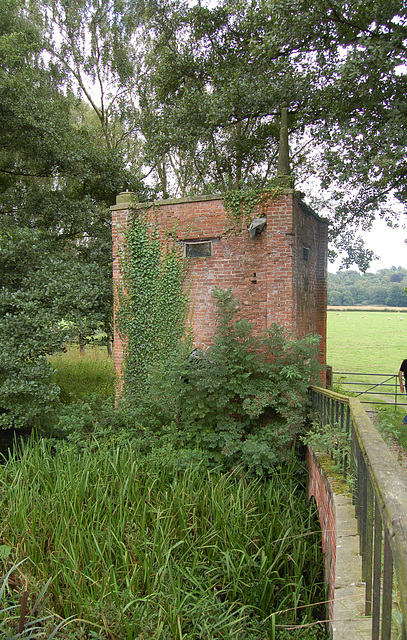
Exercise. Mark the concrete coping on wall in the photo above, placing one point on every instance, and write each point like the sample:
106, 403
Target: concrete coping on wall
127, 200
349, 620
311, 212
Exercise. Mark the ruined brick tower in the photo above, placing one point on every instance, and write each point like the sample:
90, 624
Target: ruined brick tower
277, 269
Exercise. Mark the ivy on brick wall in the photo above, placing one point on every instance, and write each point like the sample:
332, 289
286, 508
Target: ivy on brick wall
240, 204
152, 302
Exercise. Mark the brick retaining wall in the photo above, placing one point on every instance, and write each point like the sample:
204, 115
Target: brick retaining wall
319, 487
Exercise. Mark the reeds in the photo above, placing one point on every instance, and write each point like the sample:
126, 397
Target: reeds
139, 551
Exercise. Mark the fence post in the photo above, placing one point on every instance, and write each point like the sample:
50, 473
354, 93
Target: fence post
395, 395
328, 376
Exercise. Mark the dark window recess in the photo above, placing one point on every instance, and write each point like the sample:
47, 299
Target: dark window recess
305, 253
198, 249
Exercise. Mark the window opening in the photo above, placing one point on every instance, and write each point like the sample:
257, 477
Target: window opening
198, 249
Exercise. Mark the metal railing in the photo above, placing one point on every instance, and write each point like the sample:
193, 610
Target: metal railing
379, 488
371, 388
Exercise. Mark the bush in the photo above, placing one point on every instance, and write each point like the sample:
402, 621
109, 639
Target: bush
241, 402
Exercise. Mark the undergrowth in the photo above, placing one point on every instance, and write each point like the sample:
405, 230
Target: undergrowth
389, 423
138, 550
79, 375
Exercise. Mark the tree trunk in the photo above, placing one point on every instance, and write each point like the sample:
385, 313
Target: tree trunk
110, 345
82, 345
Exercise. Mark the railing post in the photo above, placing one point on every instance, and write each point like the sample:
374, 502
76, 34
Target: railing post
387, 588
395, 394
362, 500
347, 426
369, 546
377, 571
354, 465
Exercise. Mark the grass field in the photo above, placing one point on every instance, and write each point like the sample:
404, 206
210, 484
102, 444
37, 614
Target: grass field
370, 342
366, 342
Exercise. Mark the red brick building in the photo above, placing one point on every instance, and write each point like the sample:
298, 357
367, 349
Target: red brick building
279, 273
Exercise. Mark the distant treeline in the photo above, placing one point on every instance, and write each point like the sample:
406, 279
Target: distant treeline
386, 287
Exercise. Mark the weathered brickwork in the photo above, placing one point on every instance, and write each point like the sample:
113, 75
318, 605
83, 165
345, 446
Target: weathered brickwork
320, 488
279, 275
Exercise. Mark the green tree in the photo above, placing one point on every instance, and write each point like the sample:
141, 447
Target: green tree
334, 298
215, 80
347, 298
359, 49
91, 44
378, 295
192, 94
209, 107
368, 288
55, 186
358, 293
396, 296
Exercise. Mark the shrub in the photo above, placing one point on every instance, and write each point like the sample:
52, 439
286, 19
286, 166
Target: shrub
241, 402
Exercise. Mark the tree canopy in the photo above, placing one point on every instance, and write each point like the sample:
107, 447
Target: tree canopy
191, 94
56, 183
386, 287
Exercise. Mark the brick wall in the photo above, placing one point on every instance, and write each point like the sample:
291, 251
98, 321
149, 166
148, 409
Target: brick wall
320, 488
119, 226
269, 273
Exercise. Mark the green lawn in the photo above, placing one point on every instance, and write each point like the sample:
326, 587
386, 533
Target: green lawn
370, 342
366, 341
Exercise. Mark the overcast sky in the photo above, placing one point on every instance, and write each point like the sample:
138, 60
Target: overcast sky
389, 244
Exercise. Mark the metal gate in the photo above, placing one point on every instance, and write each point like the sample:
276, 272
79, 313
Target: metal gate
370, 388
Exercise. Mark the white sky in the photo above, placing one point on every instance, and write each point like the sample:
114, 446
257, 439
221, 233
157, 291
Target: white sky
389, 244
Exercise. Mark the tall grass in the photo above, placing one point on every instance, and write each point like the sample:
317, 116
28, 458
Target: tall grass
79, 375
389, 422
139, 551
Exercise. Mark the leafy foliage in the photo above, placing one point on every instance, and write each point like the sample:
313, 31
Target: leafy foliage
239, 203
14, 617
215, 81
92, 47
138, 551
208, 104
55, 186
241, 402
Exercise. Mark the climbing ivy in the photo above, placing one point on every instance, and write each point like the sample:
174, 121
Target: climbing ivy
152, 302
240, 203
